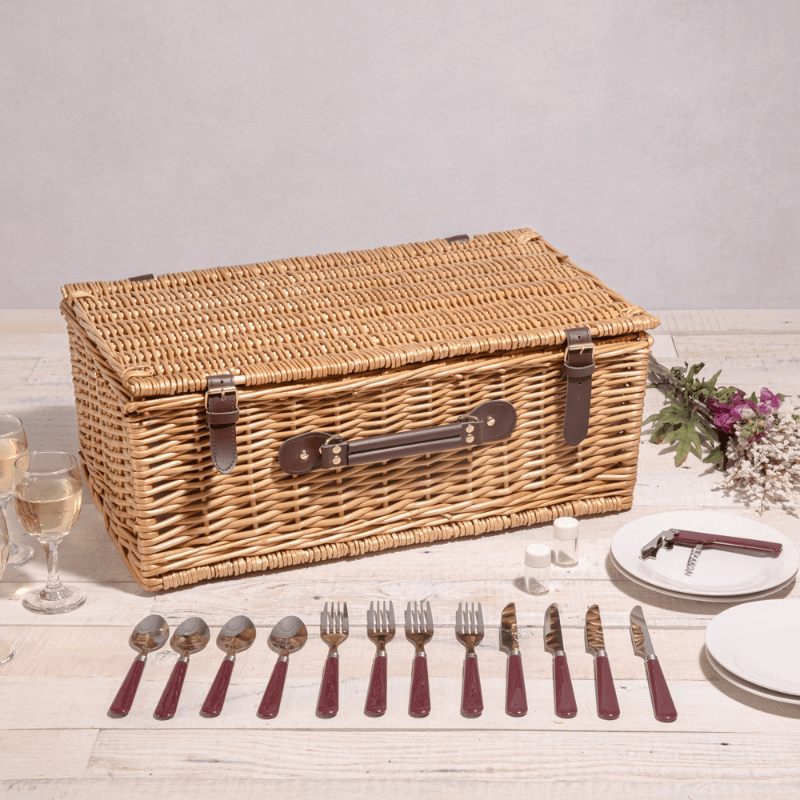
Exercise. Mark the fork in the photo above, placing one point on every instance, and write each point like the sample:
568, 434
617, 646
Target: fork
333, 630
380, 630
469, 631
419, 631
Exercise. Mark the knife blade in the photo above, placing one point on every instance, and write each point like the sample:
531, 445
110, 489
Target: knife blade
607, 703
516, 698
562, 683
663, 706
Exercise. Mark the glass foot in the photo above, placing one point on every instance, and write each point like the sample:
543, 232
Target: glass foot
43, 601
18, 554
7, 651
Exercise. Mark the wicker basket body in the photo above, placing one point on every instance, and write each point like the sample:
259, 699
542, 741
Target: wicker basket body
357, 344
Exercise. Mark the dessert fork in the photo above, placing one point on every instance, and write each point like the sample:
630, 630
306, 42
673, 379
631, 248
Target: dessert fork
469, 631
419, 631
380, 630
333, 630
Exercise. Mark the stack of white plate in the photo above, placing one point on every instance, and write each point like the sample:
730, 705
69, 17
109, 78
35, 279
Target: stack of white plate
733, 648
720, 576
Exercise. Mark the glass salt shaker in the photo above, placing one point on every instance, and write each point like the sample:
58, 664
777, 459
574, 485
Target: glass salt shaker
565, 542
537, 569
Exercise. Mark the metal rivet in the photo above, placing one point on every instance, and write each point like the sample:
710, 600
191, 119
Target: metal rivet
304, 455
470, 439
470, 428
337, 460
490, 421
337, 449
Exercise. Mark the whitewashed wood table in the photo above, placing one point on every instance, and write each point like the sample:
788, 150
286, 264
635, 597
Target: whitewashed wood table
56, 740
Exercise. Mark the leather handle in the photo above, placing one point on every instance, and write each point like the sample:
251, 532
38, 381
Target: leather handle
124, 699
607, 703
516, 697
419, 703
219, 689
487, 422
663, 706
328, 702
562, 683
471, 694
271, 701
168, 704
376, 693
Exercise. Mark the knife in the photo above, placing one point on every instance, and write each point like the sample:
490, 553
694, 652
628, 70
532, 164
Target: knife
673, 536
607, 704
663, 706
516, 698
562, 684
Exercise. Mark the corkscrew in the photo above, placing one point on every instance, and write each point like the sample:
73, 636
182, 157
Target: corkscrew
697, 541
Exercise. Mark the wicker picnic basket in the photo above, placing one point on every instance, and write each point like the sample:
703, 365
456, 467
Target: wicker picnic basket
247, 418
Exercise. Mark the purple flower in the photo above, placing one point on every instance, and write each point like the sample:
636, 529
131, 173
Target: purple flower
770, 402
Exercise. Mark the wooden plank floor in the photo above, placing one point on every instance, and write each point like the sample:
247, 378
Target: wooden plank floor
56, 740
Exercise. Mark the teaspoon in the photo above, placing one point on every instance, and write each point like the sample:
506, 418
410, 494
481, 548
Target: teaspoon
236, 635
288, 636
150, 634
191, 636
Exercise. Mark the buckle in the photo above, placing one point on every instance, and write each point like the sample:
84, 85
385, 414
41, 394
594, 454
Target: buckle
579, 349
221, 392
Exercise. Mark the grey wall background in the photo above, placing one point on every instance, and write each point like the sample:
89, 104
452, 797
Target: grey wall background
654, 141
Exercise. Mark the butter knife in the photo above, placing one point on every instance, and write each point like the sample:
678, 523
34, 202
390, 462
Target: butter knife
663, 707
516, 698
562, 683
607, 703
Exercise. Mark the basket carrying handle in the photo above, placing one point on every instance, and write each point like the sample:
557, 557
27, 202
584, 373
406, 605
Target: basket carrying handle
487, 422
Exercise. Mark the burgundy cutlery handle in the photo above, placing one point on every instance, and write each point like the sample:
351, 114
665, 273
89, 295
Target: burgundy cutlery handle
216, 694
734, 542
471, 695
124, 699
168, 704
376, 694
565, 697
607, 703
419, 704
516, 698
271, 701
328, 703
663, 706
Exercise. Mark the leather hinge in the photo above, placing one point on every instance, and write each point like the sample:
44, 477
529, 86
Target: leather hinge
578, 370
222, 414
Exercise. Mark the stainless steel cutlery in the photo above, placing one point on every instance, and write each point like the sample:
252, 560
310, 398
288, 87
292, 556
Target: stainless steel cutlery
380, 630
333, 630
607, 703
469, 631
663, 707
565, 704
516, 697
419, 631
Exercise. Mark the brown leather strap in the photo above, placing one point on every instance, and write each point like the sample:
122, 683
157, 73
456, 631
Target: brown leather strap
578, 369
222, 414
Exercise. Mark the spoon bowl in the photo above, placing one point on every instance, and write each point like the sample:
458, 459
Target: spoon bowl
236, 635
150, 634
288, 636
191, 636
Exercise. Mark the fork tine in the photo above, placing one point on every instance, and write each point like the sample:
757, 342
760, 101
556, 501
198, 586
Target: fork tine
323, 619
409, 622
428, 617
459, 622
391, 616
480, 619
337, 617
345, 621
371, 617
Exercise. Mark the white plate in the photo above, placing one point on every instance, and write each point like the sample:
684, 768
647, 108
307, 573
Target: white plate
702, 598
753, 688
718, 572
759, 642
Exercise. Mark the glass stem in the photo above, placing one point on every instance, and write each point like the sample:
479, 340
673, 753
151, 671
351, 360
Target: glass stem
54, 584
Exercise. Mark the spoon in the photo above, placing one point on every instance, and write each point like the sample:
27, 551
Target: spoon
149, 634
288, 636
237, 634
191, 636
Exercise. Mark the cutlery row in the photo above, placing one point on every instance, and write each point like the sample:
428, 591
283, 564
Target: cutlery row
290, 634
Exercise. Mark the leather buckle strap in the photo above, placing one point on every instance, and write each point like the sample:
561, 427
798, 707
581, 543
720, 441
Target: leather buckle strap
578, 369
222, 414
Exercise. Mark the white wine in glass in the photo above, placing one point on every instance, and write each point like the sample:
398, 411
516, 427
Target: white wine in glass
12, 445
6, 648
47, 499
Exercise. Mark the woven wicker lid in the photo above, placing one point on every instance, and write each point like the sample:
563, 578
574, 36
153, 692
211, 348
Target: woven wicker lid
342, 313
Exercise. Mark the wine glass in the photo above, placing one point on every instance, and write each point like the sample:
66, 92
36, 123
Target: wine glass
47, 498
12, 445
6, 648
